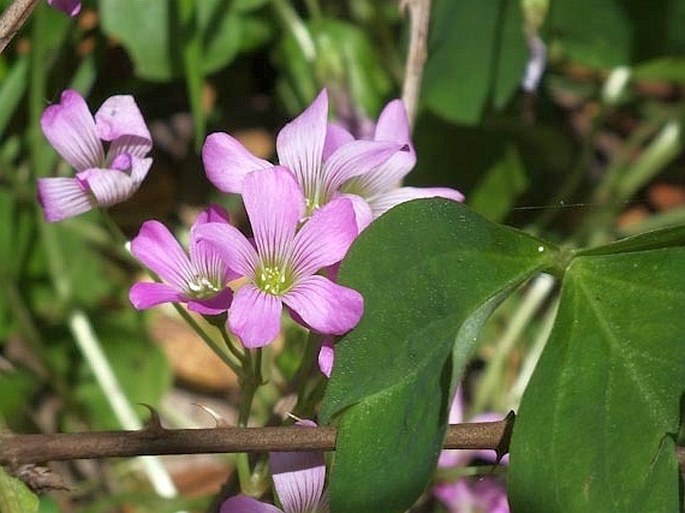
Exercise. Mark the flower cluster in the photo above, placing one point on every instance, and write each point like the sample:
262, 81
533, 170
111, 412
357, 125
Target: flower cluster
104, 176
305, 212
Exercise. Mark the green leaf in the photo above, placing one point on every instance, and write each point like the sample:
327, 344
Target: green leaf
154, 42
601, 412
15, 497
594, 33
503, 183
430, 272
657, 239
477, 52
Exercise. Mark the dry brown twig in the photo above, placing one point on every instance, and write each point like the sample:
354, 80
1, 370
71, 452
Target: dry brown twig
18, 449
419, 14
13, 18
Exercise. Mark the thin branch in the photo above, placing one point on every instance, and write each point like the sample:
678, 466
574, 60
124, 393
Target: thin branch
17, 449
13, 18
419, 13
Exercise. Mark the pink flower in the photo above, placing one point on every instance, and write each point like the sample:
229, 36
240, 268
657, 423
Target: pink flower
299, 482
198, 278
320, 156
470, 495
473, 495
380, 186
103, 178
281, 267
70, 7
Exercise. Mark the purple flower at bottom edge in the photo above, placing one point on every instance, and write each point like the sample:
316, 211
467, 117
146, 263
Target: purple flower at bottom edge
70, 7
473, 495
298, 480
198, 278
103, 178
281, 266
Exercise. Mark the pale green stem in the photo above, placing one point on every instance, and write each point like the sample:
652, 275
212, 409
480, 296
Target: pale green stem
533, 297
88, 344
297, 27
533, 356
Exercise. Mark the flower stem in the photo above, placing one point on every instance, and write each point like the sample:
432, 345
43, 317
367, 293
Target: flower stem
249, 383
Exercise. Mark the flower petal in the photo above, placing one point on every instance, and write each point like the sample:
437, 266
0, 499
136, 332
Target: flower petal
139, 170
159, 251
393, 123
214, 305
325, 238
325, 306
255, 317
362, 211
336, 136
298, 479
230, 244
227, 162
70, 7
355, 159
109, 186
146, 295
300, 143
326, 356
63, 197
119, 120
212, 214
275, 204
70, 128
245, 504
383, 202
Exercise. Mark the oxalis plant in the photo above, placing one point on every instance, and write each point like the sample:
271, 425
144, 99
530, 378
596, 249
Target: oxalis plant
390, 289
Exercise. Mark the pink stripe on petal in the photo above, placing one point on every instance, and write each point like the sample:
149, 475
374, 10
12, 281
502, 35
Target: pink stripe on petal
381, 203
298, 479
139, 170
62, 198
227, 162
109, 186
70, 128
275, 204
300, 143
326, 307
245, 504
230, 244
355, 159
159, 251
255, 317
119, 120
325, 238
145, 295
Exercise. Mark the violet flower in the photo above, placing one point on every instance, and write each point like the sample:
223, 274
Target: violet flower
103, 178
320, 160
70, 7
298, 480
381, 186
281, 267
198, 278
470, 495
